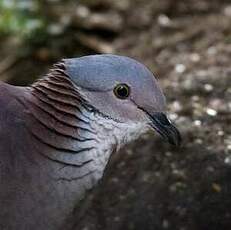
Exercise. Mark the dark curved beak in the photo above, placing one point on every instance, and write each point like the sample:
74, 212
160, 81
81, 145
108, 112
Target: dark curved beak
165, 128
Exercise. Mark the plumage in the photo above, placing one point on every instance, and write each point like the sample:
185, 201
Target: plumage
57, 135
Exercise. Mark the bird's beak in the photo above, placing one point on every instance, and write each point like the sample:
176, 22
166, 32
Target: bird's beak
165, 128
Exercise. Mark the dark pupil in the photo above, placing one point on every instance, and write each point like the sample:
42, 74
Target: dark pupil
122, 91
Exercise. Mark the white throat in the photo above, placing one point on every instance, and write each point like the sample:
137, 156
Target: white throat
107, 136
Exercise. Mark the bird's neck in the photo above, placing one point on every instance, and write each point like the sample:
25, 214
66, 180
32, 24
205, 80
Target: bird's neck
61, 126
70, 136
68, 143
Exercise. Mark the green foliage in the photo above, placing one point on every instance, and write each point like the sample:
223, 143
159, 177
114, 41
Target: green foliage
20, 18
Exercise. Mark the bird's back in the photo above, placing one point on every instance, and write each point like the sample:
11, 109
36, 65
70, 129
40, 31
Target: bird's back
27, 197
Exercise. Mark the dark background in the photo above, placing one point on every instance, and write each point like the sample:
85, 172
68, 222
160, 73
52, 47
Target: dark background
187, 44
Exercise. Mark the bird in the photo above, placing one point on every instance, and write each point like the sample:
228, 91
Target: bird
58, 134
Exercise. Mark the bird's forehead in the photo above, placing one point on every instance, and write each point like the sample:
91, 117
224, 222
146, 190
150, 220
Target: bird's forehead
103, 72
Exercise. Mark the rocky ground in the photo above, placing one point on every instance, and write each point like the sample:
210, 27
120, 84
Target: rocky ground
187, 44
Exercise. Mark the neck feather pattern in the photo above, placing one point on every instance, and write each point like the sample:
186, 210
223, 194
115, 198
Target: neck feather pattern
70, 143
69, 133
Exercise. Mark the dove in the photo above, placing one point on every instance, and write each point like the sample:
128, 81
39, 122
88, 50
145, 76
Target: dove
57, 135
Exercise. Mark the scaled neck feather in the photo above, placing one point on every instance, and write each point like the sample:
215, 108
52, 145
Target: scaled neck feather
69, 132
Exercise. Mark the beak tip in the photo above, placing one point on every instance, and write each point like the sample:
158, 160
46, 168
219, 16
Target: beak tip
174, 136
176, 140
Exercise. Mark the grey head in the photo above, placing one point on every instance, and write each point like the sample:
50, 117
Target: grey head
123, 90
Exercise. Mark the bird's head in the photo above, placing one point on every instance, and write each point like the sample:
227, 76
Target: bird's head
122, 89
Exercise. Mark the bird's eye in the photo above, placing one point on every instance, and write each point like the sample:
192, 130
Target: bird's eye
122, 91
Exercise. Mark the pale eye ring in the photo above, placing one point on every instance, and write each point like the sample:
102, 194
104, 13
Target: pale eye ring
122, 91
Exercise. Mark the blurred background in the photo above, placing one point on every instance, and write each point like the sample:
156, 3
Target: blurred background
187, 44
